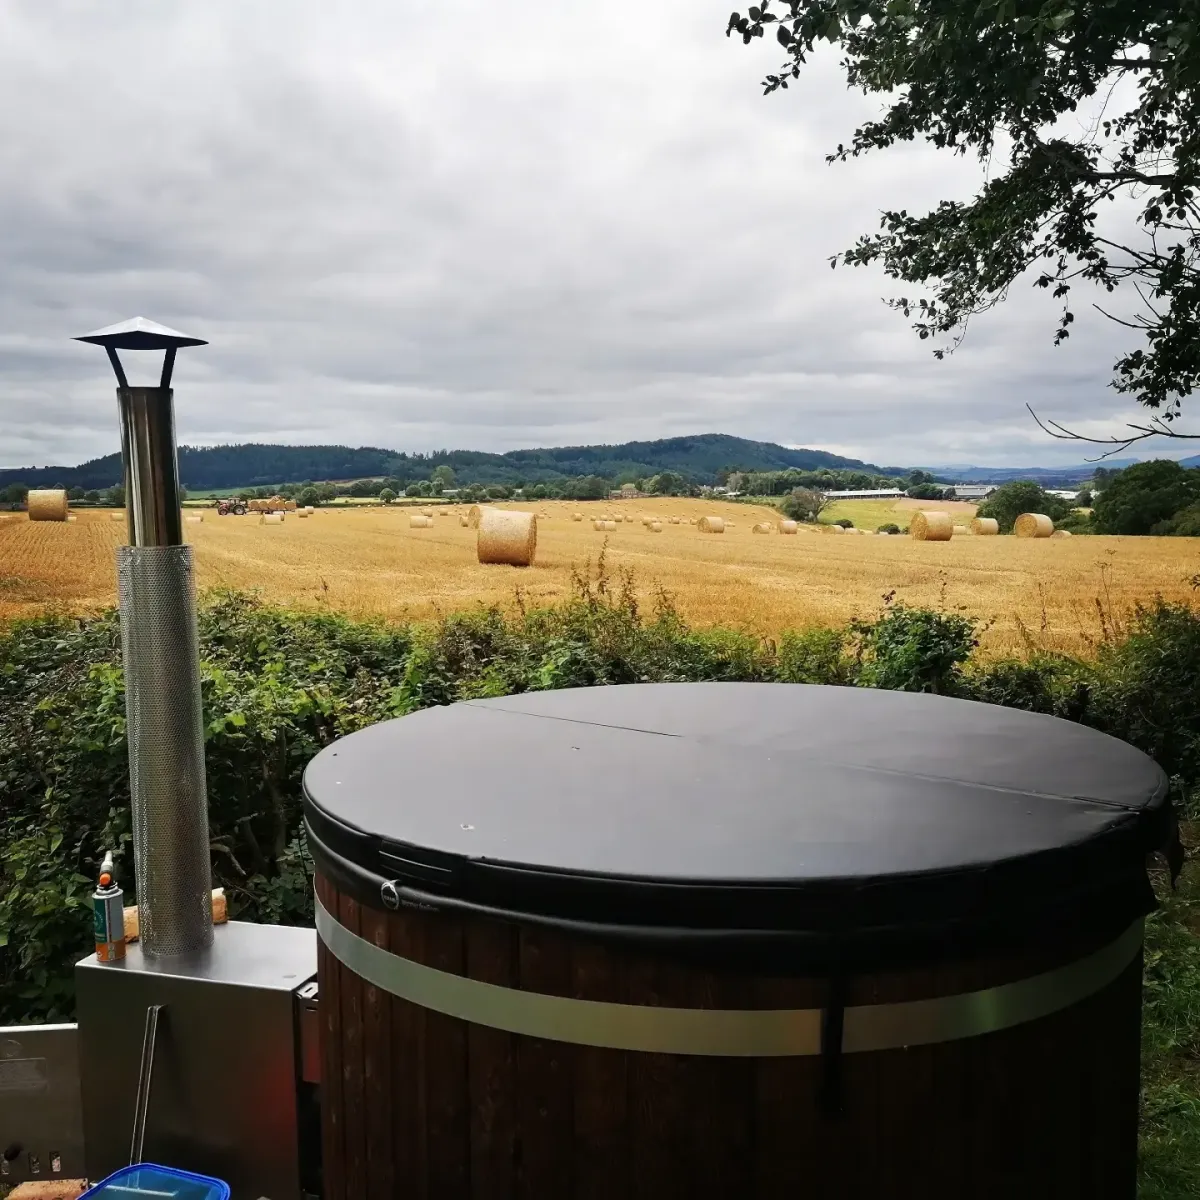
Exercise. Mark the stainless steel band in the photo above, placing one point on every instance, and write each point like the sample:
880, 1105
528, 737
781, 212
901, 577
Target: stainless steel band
764, 1033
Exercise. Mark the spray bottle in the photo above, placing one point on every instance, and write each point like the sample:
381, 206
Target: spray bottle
108, 909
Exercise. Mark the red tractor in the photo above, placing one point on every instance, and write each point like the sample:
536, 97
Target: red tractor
231, 505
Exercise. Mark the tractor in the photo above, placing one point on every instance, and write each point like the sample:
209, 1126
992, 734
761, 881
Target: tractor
231, 505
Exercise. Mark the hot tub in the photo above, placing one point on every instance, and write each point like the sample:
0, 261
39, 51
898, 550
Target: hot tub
731, 940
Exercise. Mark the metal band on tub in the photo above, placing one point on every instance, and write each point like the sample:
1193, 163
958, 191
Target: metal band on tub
754, 1033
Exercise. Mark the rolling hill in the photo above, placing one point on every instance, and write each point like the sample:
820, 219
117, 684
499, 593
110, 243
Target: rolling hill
699, 458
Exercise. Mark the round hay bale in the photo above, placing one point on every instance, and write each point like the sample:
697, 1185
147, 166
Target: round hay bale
674, 520
836, 529
931, 526
507, 537
419, 521
116, 516
194, 520
464, 521
629, 518
577, 516
985, 527
47, 504
443, 512
691, 520
787, 526
654, 526
711, 525
271, 519
474, 515
72, 519
302, 513
961, 531
604, 526
761, 527
309, 510
1033, 525
1062, 533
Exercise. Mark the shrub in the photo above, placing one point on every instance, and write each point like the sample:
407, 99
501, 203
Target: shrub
1076, 522
916, 649
844, 522
888, 528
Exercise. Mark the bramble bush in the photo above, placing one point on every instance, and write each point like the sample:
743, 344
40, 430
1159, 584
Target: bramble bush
279, 685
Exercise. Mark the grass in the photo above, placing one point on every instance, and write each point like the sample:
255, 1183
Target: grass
365, 561
1170, 1126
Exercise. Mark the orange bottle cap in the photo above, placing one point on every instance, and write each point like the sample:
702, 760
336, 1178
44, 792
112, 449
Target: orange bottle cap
105, 879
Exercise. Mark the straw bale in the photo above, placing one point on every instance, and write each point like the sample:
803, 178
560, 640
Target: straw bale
303, 513
474, 514
1060, 533
577, 516
932, 526
116, 516
761, 527
464, 521
601, 525
985, 526
47, 504
507, 537
133, 930
674, 520
787, 526
271, 519
194, 520
654, 526
1033, 525
961, 531
419, 521
711, 525
837, 529
309, 510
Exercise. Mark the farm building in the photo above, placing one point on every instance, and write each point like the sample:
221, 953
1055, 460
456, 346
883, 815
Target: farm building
867, 494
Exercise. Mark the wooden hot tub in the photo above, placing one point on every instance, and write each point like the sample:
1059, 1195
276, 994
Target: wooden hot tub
731, 940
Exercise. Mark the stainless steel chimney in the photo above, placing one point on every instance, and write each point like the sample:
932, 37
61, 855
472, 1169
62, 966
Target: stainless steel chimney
162, 660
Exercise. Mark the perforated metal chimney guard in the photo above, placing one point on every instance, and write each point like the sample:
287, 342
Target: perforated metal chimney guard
160, 648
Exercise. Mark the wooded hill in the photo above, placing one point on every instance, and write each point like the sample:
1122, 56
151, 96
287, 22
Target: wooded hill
706, 458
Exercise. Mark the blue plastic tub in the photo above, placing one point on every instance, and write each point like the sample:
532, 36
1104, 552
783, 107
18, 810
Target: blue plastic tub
163, 1183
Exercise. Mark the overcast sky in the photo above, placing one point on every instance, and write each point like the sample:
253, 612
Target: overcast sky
466, 224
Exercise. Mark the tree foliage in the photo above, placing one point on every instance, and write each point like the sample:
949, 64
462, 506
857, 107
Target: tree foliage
1010, 500
803, 504
1145, 497
996, 78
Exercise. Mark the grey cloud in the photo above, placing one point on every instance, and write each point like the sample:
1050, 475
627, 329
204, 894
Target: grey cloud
478, 225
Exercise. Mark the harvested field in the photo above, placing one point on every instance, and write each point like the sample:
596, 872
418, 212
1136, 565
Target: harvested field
366, 561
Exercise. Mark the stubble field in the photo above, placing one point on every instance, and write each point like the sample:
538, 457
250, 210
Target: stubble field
368, 562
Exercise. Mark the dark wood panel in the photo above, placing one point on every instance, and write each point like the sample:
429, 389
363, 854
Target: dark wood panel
332, 1105
600, 1087
377, 1068
354, 1135
491, 1068
425, 1107
544, 1078
447, 1103
408, 1145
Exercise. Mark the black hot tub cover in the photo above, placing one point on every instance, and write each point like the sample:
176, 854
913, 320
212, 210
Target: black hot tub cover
786, 817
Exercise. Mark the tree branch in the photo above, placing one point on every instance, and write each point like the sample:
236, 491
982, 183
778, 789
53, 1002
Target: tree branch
1156, 428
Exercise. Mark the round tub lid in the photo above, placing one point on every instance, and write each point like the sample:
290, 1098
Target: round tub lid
738, 809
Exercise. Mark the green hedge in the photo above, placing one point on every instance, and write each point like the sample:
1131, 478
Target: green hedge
279, 685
